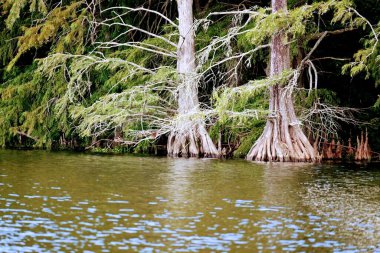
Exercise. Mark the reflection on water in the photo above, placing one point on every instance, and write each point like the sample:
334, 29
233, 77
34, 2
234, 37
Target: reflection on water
75, 202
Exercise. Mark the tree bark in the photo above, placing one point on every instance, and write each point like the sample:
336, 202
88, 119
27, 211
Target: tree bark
283, 138
190, 137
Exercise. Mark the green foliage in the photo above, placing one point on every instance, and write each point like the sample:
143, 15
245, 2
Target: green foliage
247, 141
126, 109
42, 103
297, 22
61, 19
305, 100
366, 59
144, 147
377, 104
15, 7
243, 99
27, 108
76, 93
130, 96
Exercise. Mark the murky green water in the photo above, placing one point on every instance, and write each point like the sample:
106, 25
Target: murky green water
77, 203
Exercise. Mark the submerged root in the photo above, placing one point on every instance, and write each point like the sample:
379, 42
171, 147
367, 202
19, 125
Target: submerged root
191, 142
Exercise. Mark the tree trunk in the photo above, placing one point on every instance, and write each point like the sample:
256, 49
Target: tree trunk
190, 137
283, 138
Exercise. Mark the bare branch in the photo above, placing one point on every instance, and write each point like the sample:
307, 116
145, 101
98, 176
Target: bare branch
140, 30
142, 9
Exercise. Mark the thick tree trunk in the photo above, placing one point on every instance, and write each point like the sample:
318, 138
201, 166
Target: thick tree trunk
190, 137
283, 138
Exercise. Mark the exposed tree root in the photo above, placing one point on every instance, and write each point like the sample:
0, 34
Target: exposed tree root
331, 150
292, 147
363, 150
193, 141
283, 139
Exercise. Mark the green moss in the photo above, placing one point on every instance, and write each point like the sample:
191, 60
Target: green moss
248, 141
144, 147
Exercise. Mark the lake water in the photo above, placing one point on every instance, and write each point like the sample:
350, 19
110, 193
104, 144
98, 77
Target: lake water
67, 202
